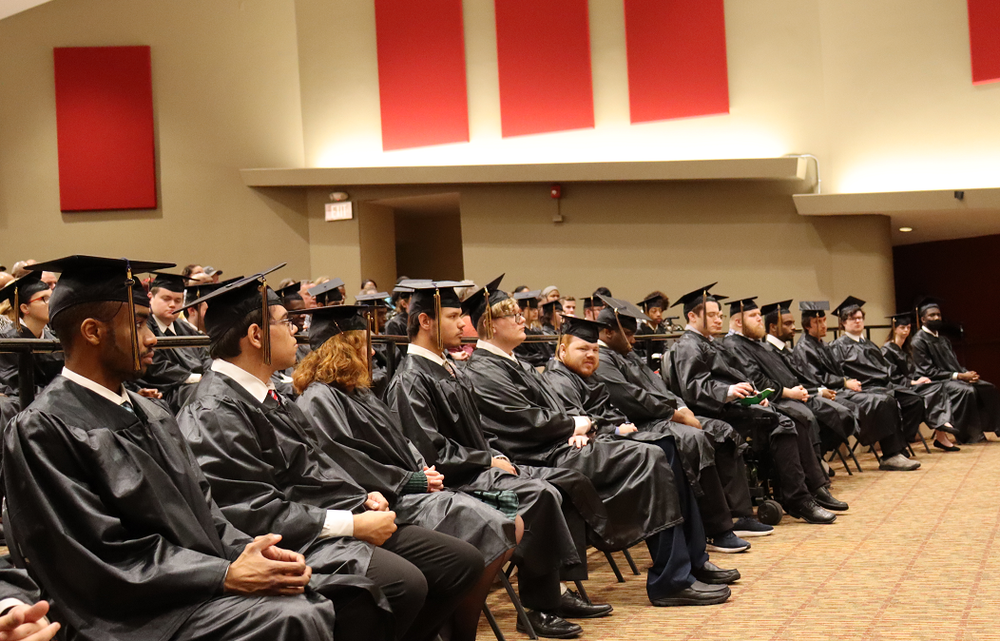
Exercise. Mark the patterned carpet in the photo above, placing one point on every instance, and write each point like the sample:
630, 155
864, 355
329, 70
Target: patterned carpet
914, 558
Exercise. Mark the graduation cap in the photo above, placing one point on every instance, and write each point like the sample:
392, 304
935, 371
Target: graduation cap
653, 300
901, 319
588, 302
551, 307
93, 279
290, 291
782, 307
928, 302
611, 315
370, 302
528, 300
194, 292
849, 306
332, 320
813, 308
697, 297
479, 304
170, 282
430, 297
742, 305
328, 292
582, 328
232, 302
21, 290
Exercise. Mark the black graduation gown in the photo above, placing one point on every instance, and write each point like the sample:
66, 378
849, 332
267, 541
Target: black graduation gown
532, 427
116, 522
701, 375
658, 347
396, 326
971, 413
863, 360
360, 421
47, 366
817, 366
902, 373
171, 368
536, 354
438, 414
16, 584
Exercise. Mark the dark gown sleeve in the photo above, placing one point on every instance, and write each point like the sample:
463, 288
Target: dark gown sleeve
639, 403
411, 402
231, 455
811, 367
926, 361
749, 365
858, 363
16, 584
109, 568
693, 377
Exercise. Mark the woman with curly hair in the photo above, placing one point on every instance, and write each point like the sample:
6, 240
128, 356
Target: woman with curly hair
334, 385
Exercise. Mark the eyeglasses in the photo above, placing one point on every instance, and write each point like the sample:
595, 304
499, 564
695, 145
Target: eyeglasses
287, 322
518, 317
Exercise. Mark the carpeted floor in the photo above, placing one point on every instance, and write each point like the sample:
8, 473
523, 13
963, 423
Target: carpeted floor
914, 558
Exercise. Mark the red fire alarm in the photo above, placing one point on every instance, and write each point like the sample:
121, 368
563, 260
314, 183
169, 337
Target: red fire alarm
556, 191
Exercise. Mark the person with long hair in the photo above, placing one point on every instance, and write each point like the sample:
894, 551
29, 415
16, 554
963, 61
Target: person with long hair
334, 384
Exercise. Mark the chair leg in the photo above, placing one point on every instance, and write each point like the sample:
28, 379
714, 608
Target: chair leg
509, 571
871, 448
924, 441
521, 614
583, 591
493, 623
851, 451
844, 461
631, 563
614, 567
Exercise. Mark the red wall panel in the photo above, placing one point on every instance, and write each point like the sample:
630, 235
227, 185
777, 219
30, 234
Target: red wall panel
104, 123
984, 40
543, 50
676, 58
421, 72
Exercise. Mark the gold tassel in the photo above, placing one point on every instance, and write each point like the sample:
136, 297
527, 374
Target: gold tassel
368, 341
17, 306
489, 317
437, 319
265, 323
704, 309
129, 283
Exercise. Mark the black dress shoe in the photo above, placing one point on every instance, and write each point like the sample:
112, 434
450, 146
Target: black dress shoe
572, 606
550, 626
697, 594
810, 512
714, 575
947, 448
827, 500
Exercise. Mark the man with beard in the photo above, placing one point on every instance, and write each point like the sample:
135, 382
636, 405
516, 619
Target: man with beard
107, 502
437, 412
703, 376
642, 486
863, 360
934, 357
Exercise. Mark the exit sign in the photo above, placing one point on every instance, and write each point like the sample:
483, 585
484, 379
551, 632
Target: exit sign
339, 211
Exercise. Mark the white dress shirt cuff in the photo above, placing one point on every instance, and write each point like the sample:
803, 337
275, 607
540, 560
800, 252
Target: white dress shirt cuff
193, 378
731, 394
338, 523
8, 603
581, 421
954, 376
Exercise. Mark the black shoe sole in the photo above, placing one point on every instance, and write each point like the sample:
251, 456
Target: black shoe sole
595, 615
807, 520
563, 635
723, 579
670, 602
833, 508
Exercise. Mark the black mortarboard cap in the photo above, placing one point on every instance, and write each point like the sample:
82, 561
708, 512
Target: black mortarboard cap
783, 306
231, 303
329, 321
588, 302
620, 313
551, 307
20, 290
328, 292
653, 300
92, 279
475, 304
813, 308
902, 319
694, 298
582, 328
170, 282
927, 302
528, 300
291, 290
849, 306
372, 300
422, 299
194, 292
742, 305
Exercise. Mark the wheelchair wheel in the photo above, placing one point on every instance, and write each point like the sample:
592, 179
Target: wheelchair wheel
769, 512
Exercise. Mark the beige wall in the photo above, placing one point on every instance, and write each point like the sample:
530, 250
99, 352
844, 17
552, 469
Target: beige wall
226, 96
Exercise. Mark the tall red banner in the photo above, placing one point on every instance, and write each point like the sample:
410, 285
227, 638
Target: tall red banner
104, 124
421, 72
543, 50
676, 58
984, 40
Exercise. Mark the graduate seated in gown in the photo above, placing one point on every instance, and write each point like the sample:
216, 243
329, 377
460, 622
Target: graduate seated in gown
22, 615
863, 361
705, 377
174, 372
758, 360
711, 450
898, 353
335, 387
437, 412
268, 474
28, 297
642, 485
652, 306
536, 354
109, 510
975, 404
